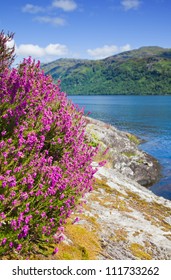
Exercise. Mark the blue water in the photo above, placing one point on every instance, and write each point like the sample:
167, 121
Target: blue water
148, 117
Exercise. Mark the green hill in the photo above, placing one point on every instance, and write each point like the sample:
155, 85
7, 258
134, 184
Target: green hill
146, 70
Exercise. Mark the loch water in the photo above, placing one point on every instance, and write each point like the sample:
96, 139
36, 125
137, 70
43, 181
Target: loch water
148, 117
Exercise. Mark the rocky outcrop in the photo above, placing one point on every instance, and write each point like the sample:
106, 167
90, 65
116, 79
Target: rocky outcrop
120, 218
123, 153
135, 224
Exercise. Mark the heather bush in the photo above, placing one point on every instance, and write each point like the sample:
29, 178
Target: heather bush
45, 160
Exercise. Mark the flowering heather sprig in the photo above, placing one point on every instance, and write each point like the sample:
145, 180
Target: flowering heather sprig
45, 161
102, 163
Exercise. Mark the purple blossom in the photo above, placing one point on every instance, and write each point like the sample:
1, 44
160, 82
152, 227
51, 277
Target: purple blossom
1, 177
13, 193
19, 247
55, 251
44, 229
24, 196
102, 163
14, 202
2, 144
9, 141
8, 172
76, 220
2, 197
61, 196
4, 240
20, 154
43, 215
3, 132
2, 215
11, 244
27, 219
13, 223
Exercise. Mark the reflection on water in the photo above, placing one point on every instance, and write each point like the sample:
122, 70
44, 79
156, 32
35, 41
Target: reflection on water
149, 117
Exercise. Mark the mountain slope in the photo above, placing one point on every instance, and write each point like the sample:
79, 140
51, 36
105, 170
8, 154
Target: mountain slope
143, 71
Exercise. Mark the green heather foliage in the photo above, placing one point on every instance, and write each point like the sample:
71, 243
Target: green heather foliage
143, 71
45, 160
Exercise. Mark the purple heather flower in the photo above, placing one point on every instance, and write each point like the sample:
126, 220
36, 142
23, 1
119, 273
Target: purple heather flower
76, 220
2, 197
102, 163
8, 172
24, 196
19, 247
13, 193
2, 215
9, 141
2, 144
5, 154
4, 240
61, 229
61, 196
3, 132
20, 235
20, 154
44, 229
11, 244
14, 202
55, 251
1, 177
43, 215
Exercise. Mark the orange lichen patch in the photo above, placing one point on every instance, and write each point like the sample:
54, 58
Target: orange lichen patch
153, 212
168, 236
120, 235
102, 184
111, 198
84, 245
139, 252
136, 233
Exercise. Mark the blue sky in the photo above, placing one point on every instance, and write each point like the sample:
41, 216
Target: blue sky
93, 29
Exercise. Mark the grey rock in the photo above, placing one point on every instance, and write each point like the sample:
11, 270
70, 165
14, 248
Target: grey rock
124, 153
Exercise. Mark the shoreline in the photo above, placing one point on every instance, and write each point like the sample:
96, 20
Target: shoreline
124, 155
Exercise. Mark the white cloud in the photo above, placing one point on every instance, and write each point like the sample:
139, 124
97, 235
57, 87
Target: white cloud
103, 51
107, 50
30, 50
56, 49
130, 4
49, 53
57, 21
125, 48
65, 5
32, 9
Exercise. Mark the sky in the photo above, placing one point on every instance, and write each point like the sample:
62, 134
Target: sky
87, 29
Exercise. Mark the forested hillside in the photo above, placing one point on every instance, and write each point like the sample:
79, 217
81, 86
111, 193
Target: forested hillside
143, 71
